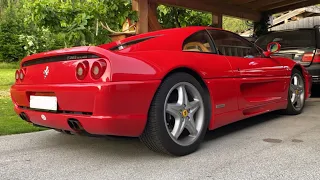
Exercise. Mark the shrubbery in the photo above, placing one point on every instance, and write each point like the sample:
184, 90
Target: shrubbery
32, 26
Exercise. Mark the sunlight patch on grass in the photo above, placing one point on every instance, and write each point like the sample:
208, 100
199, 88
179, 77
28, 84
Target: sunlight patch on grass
7, 78
10, 122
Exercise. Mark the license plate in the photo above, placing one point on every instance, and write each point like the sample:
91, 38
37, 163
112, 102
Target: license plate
44, 102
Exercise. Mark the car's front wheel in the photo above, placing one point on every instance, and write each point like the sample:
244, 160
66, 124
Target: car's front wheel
178, 116
296, 94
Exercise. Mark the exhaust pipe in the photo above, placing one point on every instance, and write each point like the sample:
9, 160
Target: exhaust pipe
75, 125
24, 117
78, 128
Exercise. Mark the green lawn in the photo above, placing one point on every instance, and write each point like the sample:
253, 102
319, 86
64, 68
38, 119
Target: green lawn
6, 80
4, 65
10, 122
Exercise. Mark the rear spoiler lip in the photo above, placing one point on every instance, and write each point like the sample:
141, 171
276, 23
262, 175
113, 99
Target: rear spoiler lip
74, 50
80, 49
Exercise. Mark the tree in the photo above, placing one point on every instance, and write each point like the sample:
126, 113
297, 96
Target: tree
11, 25
32, 26
170, 17
77, 21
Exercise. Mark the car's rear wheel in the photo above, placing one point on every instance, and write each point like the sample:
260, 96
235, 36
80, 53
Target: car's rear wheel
296, 94
178, 116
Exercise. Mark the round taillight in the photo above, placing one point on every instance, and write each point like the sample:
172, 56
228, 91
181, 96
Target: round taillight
17, 75
82, 70
95, 70
21, 75
98, 68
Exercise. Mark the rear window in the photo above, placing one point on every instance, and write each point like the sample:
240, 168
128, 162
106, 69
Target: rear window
289, 39
130, 43
199, 42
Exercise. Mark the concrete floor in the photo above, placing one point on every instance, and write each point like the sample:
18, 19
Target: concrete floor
265, 147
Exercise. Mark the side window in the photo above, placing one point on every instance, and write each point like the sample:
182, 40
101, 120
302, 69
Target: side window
199, 42
230, 44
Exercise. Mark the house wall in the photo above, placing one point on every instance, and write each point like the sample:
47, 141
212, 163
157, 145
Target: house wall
308, 22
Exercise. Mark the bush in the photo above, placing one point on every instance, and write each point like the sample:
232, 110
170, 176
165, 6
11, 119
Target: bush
28, 27
11, 26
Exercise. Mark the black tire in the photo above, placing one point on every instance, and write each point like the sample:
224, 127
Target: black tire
290, 110
155, 135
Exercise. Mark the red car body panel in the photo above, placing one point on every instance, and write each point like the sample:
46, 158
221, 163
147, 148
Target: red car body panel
118, 102
102, 108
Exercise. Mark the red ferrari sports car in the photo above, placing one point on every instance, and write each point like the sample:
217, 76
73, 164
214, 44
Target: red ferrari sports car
167, 87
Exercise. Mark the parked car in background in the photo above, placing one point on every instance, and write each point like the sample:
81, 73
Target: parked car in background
301, 45
251, 39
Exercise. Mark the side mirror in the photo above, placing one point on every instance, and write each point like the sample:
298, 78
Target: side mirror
272, 47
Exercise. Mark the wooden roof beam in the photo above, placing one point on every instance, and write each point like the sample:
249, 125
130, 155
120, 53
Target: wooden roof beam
288, 15
257, 4
293, 6
238, 2
213, 6
281, 4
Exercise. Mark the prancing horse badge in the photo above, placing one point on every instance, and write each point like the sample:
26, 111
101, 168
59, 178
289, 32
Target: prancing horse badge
46, 72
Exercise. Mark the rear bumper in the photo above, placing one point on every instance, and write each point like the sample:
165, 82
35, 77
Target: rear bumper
314, 71
115, 108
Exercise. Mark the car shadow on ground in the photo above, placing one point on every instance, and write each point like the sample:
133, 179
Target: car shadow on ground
249, 122
132, 148
240, 125
129, 147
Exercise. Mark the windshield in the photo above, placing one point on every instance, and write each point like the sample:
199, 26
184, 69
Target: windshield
289, 39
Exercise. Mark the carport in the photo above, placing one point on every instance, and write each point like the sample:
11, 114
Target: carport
257, 11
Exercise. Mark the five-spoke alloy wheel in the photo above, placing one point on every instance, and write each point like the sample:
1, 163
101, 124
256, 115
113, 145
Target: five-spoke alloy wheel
178, 117
181, 114
297, 91
296, 96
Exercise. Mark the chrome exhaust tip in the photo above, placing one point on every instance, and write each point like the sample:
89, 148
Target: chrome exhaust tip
24, 117
75, 125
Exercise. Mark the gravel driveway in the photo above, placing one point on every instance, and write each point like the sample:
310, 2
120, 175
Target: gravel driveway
265, 147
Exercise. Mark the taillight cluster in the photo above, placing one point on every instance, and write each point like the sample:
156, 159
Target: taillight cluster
20, 75
97, 69
312, 57
82, 70
307, 57
316, 58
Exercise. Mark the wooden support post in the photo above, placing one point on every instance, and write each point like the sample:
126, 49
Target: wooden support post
217, 20
261, 27
154, 24
142, 7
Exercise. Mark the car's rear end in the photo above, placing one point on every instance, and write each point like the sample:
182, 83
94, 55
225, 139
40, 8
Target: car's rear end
301, 45
72, 90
